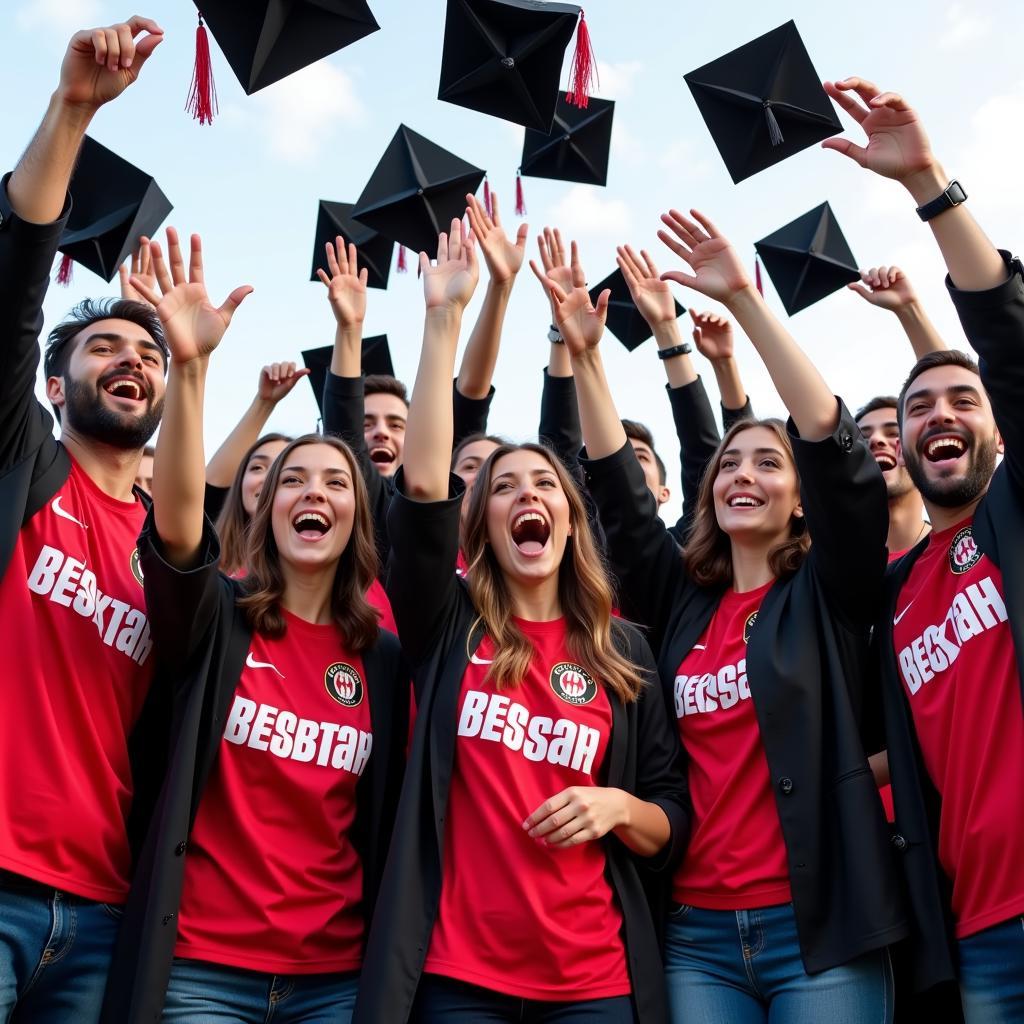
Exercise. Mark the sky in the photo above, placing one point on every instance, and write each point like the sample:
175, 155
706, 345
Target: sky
250, 183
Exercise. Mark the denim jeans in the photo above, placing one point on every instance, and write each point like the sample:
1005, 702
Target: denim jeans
441, 1000
203, 993
992, 974
744, 967
55, 952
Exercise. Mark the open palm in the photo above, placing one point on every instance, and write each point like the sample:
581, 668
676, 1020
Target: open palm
717, 270
451, 280
652, 296
580, 322
346, 284
503, 256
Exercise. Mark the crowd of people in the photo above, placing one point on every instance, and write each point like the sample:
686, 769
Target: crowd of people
402, 721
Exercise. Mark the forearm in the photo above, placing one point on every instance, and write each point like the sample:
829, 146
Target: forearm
645, 828
801, 387
678, 369
730, 385
221, 469
481, 355
39, 184
347, 357
559, 363
599, 419
920, 331
178, 474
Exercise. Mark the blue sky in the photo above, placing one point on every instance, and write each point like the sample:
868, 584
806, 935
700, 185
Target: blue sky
250, 183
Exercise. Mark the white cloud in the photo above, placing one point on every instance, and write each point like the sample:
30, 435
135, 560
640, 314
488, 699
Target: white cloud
582, 210
686, 159
615, 81
61, 16
301, 111
996, 149
964, 25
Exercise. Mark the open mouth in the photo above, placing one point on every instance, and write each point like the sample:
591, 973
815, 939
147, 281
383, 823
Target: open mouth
885, 461
310, 525
382, 456
945, 448
125, 387
530, 532
744, 501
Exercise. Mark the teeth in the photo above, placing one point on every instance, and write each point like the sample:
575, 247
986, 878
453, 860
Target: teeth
127, 387
885, 462
939, 442
527, 517
313, 517
744, 501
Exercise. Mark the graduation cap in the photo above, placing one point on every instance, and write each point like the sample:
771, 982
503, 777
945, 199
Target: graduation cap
576, 148
267, 40
504, 57
416, 191
375, 250
113, 203
376, 359
625, 321
763, 102
808, 259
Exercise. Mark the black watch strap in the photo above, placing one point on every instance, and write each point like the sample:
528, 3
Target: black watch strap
953, 195
675, 350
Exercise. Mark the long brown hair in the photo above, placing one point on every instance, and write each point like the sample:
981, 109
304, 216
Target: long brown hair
233, 520
708, 552
263, 587
584, 592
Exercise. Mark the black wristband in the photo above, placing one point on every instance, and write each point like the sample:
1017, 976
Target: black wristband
952, 195
676, 350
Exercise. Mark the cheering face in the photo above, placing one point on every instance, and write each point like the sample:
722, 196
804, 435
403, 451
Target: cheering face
113, 388
949, 440
384, 419
256, 472
527, 517
314, 507
882, 434
756, 490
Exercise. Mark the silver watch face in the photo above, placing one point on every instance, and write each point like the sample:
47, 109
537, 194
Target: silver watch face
956, 193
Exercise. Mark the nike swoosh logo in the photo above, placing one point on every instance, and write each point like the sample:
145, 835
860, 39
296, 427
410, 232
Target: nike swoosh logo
699, 647
58, 511
479, 661
896, 621
251, 662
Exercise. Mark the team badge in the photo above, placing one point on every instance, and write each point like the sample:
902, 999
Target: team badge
343, 684
572, 683
963, 552
748, 626
136, 566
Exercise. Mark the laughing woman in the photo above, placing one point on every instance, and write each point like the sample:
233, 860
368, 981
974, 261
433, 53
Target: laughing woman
292, 720
785, 901
541, 772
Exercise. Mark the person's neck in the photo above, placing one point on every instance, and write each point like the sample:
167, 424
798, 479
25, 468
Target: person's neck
906, 521
112, 470
307, 595
535, 603
750, 568
943, 518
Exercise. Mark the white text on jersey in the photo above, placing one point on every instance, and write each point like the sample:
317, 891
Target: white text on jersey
705, 692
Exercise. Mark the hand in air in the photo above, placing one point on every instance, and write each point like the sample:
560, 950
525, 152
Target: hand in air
652, 296
885, 287
346, 284
580, 322
504, 258
718, 271
141, 267
712, 334
449, 282
552, 259
277, 380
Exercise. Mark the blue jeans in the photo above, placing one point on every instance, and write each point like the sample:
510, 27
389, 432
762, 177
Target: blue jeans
55, 952
202, 993
441, 1000
744, 967
992, 974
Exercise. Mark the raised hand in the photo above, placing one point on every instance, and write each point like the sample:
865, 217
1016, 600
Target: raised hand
141, 267
718, 271
101, 63
579, 320
712, 334
504, 258
450, 281
552, 259
193, 326
885, 287
652, 296
278, 379
346, 285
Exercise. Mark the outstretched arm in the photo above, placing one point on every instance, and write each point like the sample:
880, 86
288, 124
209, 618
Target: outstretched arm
889, 288
712, 334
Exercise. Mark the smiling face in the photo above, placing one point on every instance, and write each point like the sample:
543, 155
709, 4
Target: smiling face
113, 388
949, 439
313, 507
256, 471
881, 431
528, 521
384, 419
756, 491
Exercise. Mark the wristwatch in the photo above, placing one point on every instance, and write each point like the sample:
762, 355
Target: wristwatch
954, 195
555, 336
676, 350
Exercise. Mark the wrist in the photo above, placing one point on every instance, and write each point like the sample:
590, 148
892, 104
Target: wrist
625, 810
910, 312
667, 334
745, 298
501, 287
926, 184
445, 314
587, 361
75, 115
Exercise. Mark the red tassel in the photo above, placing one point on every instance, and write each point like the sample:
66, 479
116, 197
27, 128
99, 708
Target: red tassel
487, 198
757, 276
202, 97
584, 67
520, 201
402, 268
64, 272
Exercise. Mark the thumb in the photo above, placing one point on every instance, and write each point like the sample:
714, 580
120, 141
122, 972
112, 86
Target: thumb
698, 337
233, 301
858, 154
144, 50
601, 309
521, 236
861, 290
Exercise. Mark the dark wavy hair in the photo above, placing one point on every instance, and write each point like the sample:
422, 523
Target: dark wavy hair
353, 616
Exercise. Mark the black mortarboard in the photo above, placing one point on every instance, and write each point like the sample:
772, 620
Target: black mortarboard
504, 57
113, 203
625, 321
416, 191
267, 40
376, 359
576, 148
763, 102
375, 250
808, 259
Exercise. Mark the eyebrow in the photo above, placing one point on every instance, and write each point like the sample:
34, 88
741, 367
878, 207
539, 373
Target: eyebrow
886, 425
953, 389
340, 471
533, 473
757, 451
114, 336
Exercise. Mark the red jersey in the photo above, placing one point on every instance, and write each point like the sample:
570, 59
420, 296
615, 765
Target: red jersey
515, 916
736, 858
77, 666
272, 881
955, 655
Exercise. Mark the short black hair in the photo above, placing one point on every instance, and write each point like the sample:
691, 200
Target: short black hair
88, 312
876, 403
637, 431
384, 384
929, 361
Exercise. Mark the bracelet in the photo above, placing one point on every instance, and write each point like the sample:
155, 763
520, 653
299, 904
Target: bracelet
676, 350
555, 336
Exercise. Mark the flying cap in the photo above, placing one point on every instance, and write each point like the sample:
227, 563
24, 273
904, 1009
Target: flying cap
808, 259
376, 360
625, 321
504, 57
113, 203
763, 102
416, 190
375, 250
576, 148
